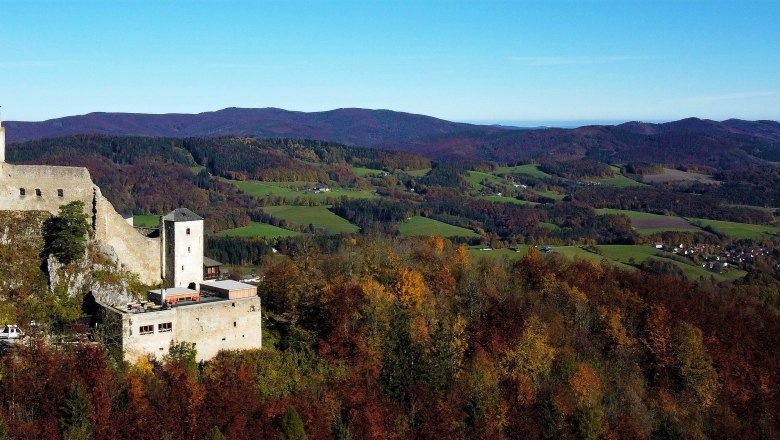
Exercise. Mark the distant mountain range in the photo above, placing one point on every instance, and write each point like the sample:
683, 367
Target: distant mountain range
688, 141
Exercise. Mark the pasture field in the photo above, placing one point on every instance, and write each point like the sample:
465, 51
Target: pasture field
476, 178
578, 252
256, 229
319, 216
425, 226
502, 199
618, 180
529, 169
146, 221
550, 226
672, 175
623, 253
293, 190
196, 169
646, 223
418, 173
550, 194
499, 254
738, 230
366, 172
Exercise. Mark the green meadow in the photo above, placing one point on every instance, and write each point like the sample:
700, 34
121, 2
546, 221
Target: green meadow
366, 172
417, 225
146, 221
319, 216
503, 199
477, 252
418, 173
476, 178
738, 230
528, 169
293, 190
255, 229
639, 253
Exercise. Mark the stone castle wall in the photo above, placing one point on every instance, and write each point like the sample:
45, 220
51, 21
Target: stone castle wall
212, 326
46, 188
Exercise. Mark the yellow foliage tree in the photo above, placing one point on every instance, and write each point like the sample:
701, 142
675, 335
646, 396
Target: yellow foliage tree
411, 289
530, 360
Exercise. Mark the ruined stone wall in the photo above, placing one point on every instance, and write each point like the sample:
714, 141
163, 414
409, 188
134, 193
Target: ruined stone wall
136, 252
46, 188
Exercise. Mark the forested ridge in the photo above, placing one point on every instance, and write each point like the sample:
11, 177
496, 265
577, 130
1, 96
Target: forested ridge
371, 337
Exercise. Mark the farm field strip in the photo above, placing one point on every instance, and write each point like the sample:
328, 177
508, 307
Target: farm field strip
738, 230
477, 177
502, 199
671, 175
319, 216
528, 169
293, 190
646, 223
417, 226
418, 173
641, 253
256, 229
366, 172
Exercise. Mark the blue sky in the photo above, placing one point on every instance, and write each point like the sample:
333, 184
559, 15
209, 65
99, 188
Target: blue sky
478, 61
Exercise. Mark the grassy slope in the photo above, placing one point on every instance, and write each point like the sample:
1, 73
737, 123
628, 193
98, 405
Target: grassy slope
426, 226
475, 179
638, 215
146, 221
366, 172
475, 252
502, 199
319, 216
623, 253
255, 229
531, 170
618, 180
738, 230
418, 173
288, 189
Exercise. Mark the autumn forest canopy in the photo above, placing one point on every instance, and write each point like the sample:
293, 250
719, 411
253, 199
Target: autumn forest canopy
573, 297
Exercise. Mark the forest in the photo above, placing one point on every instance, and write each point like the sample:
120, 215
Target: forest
373, 337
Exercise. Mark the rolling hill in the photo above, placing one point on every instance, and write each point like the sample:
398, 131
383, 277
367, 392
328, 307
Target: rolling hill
692, 141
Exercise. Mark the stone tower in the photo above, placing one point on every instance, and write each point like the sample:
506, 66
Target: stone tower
2, 140
182, 249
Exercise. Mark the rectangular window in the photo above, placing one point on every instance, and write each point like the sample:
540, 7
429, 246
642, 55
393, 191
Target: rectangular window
38, 192
165, 327
21, 191
146, 329
60, 193
188, 231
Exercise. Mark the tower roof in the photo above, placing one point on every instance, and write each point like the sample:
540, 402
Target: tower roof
182, 215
